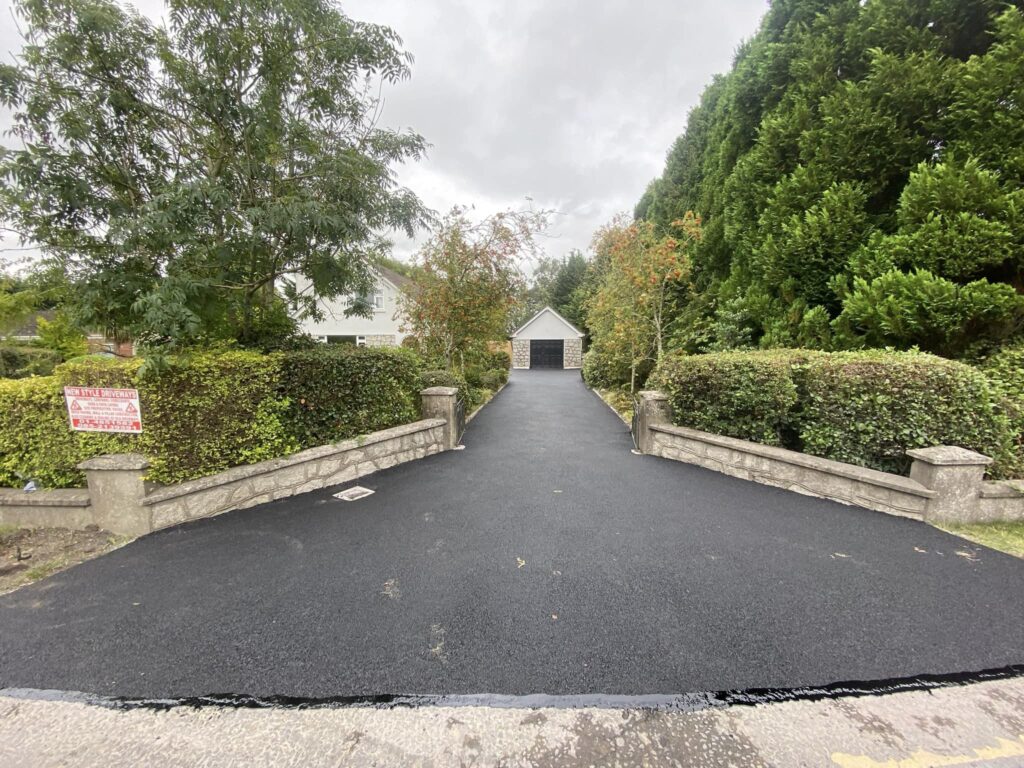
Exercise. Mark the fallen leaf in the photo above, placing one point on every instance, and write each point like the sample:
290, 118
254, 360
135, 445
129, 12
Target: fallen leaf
520, 562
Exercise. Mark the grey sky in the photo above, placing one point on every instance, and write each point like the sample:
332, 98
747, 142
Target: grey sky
569, 102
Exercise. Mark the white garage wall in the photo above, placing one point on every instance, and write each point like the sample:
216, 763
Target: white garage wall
547, 326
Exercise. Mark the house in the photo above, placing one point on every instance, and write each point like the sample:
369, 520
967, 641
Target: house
547, 340
383, 329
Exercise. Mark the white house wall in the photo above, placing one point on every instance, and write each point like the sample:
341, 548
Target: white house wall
384, 327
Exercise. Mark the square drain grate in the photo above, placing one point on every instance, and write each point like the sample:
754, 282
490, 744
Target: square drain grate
353, 494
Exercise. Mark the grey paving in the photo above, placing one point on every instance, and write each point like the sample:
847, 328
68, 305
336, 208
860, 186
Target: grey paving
543, 558
976, 725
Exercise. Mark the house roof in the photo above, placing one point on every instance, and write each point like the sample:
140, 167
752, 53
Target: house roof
30, 328
396, 279
533, 319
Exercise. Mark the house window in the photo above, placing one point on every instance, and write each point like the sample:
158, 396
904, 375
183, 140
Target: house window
360, 341
374, 300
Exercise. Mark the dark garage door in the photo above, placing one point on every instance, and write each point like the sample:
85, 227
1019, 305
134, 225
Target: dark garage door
545, 353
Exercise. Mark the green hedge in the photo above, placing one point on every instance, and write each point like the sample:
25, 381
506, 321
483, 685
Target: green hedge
869, 408
748, 395
18, 362
865, 408
208, 412
339, 391
1005, 369
494, 379
445, 378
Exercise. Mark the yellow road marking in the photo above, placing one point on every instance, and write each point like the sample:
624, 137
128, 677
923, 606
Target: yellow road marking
923, 759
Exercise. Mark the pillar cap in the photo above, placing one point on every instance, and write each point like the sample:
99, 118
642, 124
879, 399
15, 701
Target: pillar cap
652, 394
116, 461
440, 391
949, 456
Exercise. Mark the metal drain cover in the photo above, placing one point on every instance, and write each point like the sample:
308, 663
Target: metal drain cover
354, 493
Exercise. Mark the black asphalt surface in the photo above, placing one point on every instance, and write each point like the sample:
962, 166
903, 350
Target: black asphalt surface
545, 558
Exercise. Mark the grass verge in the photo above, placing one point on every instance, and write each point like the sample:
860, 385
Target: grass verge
1006, 537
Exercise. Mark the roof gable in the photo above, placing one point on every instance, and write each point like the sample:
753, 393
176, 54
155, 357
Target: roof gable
549, 312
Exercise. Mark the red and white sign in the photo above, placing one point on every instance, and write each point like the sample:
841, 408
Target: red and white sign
102, 409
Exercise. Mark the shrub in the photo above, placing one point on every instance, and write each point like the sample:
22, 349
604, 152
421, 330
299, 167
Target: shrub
869, 408
445, 378
1005, 369
339, 391
17, 362
748, 395
864, 408
495, 360
35, 441
202, 414
494, 380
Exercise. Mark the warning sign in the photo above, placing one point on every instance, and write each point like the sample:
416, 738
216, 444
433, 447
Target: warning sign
102, 409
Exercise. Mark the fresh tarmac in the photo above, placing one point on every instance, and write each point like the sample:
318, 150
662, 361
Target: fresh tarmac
545, 558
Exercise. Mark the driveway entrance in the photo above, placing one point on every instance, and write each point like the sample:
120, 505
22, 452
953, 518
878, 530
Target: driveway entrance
545, 558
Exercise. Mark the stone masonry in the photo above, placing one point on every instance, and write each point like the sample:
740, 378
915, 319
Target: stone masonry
520, 353
380, 340
572, 353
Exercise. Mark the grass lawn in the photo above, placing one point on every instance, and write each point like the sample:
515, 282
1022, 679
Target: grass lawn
1006, 537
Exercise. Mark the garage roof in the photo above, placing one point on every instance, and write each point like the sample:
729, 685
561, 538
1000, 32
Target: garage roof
572, 329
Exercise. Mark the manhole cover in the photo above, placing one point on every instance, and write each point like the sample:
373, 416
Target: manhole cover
354, 493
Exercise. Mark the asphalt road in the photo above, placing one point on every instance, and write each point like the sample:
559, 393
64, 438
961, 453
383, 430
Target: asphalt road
545, 558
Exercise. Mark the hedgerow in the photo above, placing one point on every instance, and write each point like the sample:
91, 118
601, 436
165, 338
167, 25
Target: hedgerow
339, 391
864, 408
207, 412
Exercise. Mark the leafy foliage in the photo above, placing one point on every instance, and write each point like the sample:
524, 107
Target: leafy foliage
18, 362
206, 412
850, 140
748, 395
178, 173
865, 408
469, 283
869, 408
338, 391
629, 314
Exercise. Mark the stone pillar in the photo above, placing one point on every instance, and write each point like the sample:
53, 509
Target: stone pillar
520, 353
117, 487
955, 475
442, 403
654, 409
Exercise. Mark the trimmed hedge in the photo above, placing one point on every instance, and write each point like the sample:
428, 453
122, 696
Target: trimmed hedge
864, 408
1005, 369
20, 362
748, 395
869, 408
35, 441
208, 412
339, 391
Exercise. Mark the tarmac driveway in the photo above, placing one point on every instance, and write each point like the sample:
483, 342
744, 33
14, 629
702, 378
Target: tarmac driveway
544, 558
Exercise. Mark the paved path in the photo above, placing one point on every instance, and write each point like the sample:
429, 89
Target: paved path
543, 558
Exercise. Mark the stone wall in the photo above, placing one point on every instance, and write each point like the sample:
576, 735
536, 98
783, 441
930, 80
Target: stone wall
380, 340
302, 472
120, 500
520, 353
46, 509
946, 483
809, 475
572, 353
1001, 500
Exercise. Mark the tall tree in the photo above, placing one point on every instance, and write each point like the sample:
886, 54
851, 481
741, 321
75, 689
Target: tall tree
179, 173
629, 315
470, 282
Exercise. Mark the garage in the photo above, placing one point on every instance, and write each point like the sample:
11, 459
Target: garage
547, 340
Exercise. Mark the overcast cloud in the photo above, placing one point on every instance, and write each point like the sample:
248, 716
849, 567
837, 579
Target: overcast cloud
568, 102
